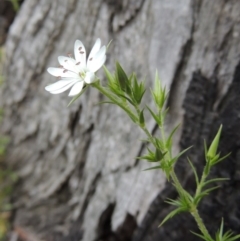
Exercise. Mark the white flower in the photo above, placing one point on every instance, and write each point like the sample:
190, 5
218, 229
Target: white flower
75, 73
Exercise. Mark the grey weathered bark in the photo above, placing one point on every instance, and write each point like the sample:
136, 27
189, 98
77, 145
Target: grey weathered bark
79, 176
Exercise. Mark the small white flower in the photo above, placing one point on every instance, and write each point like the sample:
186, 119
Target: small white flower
75, 73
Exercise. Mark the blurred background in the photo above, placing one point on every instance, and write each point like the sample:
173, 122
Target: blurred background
71, 173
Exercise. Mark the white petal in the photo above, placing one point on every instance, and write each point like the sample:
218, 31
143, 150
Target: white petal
89, 78
69, 63
98, 56
97, 64
76, 89
57, 85
64, 88
80, 53
95, 48
58, 72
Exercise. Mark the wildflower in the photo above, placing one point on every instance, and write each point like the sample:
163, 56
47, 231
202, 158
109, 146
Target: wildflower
76, 73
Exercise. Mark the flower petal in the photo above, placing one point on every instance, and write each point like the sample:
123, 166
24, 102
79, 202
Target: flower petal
97, 64
95, 48
58, 72
57, 88
80, 53
89, 78
76, 89
69, 63
98, 56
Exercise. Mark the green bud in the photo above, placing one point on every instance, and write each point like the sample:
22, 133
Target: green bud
159, 94
137, 89
212, 151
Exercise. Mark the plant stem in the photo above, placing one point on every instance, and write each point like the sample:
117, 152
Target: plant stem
105, 92
199, 186
200, 223
180, 189
194, 210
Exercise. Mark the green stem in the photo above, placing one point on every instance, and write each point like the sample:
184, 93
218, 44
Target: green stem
194, 210
105, 92
199, 186
200, 223
178, 185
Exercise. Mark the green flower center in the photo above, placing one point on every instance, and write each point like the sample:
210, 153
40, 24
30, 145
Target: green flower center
82, 74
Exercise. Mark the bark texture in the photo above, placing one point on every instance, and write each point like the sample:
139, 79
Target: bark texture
79, 178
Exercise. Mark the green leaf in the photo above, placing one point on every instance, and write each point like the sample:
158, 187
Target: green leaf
141, 118
153, 168
214, 180
149, 157
159, 155
171, 215
169, 140
108, 45
137, 89
77, 96
126, 98
173, 202
113, 83
204, 193
109, 76
228, 236
172, 162
122, 79
105, 102
214, 162
156, 118
205, 149
194, 171
202, 237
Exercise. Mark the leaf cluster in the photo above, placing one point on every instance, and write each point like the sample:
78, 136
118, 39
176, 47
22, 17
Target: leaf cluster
220, 235
126, 88
126, 92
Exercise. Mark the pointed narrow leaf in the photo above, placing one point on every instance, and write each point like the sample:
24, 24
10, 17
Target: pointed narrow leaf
171, 215
126, 98
122, 77
156, 118
221, 159
109, 76
105, 102
153, 168
141, 118
180, 154
214, 180
77, 96
169, 140
194, 171
108, 45
202, 237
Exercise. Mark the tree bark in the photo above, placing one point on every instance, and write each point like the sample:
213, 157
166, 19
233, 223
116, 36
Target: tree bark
79, 176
